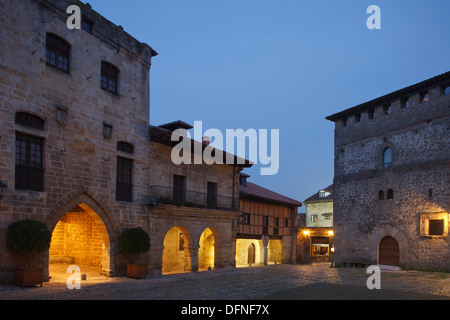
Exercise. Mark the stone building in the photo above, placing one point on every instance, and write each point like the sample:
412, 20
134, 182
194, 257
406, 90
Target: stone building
315, 238
267, 229
391, 184
78, 152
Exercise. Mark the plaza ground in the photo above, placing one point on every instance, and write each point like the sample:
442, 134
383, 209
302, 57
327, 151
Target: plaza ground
315, 281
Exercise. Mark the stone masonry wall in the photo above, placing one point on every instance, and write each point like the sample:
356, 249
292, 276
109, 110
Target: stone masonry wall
79, 161
419, 177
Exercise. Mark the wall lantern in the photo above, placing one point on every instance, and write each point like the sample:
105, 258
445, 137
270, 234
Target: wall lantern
330, 233
306, 233
2, 189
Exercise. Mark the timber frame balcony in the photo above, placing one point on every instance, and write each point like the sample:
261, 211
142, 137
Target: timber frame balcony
161, 195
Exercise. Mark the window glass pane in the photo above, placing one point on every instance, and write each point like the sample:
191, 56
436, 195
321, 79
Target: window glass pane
387, 157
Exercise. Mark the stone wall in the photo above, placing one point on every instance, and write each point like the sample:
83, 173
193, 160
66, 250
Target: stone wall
79, 159
418, 177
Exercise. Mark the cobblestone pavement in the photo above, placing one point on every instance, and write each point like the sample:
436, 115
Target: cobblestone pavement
272, 281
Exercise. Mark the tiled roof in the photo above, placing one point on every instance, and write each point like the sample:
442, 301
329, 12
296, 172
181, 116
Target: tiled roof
252, 191
316, 196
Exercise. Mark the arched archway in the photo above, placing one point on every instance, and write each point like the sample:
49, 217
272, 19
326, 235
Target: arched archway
388, 252
177, 251
210, 249
84, 234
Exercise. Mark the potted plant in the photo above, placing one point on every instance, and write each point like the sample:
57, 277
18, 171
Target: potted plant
28, 238
133, 242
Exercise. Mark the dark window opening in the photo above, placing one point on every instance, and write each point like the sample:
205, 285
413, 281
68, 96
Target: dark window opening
430, 193
181, 242
29, 120
109, 78
387, 109
211, 195
371, 114
57, 53
125, 147
357, 117
265, 225
381, 195
87, 25
344, 122
436, 227
124, 181
29, 173
424, 97
179, 188
243, 181
405, 103
390, 194
447, 90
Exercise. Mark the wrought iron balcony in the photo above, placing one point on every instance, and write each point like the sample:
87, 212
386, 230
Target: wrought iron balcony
180, 197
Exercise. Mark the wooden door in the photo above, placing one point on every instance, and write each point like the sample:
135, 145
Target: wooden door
388, 252
251, 253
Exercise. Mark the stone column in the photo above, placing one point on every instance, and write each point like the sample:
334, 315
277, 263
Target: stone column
155, 260
191, 261
265, 242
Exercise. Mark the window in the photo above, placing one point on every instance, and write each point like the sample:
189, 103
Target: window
58, 53
387, 157
436, 227
390, 194
125, 147
87, 25
109, 78
344, 122
179, 188
265, 225
357, 117
243, 181
29, 163
424, 97
277, 224
405, 103
314, 218
371, 114
29, 120
447, 90
381, 195
211, 196
387, 109
180, 242
124, 181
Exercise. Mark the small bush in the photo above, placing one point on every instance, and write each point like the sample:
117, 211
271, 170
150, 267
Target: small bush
134, 241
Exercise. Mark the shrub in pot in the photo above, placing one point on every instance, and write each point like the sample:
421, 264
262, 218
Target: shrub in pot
133, 242
28, 238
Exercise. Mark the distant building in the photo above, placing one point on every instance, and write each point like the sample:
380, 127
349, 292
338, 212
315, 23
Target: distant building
391, 184
315, 236
266, 231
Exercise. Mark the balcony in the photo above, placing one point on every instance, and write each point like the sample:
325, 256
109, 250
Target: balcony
161, 195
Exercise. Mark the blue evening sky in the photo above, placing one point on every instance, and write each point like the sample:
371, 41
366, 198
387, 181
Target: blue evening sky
282, 65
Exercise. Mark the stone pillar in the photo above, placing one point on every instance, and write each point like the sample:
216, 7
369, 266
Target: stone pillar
222, 254
265, 242
155, 260
191, 261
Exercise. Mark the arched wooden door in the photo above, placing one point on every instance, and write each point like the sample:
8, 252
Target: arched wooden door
388, 252
251, 253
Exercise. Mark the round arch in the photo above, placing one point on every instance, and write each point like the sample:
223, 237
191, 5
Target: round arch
210, 249
177, 250
387, 231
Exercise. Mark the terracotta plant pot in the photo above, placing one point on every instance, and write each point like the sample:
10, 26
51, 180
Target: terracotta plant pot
28, 277
136, 271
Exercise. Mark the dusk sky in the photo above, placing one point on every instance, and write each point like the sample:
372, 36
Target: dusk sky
282, 65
